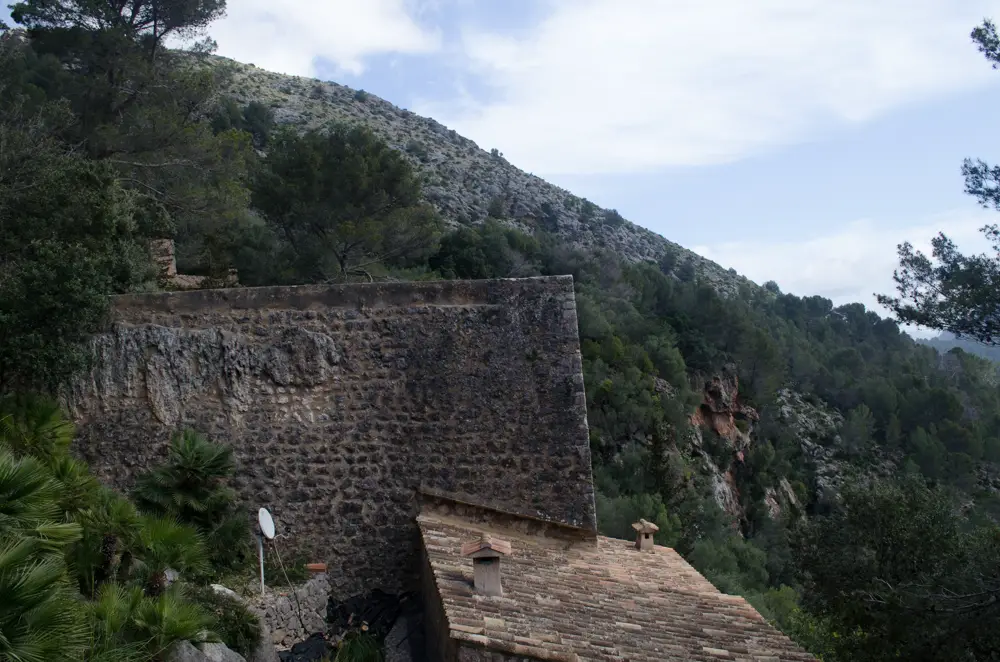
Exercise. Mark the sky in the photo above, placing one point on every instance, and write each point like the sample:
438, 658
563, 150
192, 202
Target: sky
798, 141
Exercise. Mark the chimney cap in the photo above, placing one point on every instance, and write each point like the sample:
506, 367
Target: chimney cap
643, 526
486, 547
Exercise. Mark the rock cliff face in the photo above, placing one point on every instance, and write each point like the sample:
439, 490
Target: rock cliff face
722, 411
722, 420
466, 183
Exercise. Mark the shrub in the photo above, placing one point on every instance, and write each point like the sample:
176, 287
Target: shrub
128, 625
359, 646
39, 619
417, 148
361, 96
496, 208
191, 488
613, 218
236, 625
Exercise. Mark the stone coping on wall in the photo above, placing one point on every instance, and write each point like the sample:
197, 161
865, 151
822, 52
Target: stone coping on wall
470, 509
351, 295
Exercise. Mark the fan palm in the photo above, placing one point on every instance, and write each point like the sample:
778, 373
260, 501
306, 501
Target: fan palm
35, 425
110, 541
191, 484
191, 488
165, 543
40, 616
129, 626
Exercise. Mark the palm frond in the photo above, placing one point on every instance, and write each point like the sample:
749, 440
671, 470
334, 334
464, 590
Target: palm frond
40, 617
28, 494
35, 425
166, 543
79, 490
169, 617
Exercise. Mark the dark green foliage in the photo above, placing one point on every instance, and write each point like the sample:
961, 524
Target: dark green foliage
345, 203
191, 488
147, 22
60, 532
235, 624
490, 251
549, 218
613, 218
497, 208
129, 626
418, 149
36, 427
900, 575
70, 238
104, 149
957, 294
255, 119
137, 108
359, 646
38, 618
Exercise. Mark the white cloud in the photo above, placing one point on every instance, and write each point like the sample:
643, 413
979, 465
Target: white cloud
289, 36
630, 85
848, 264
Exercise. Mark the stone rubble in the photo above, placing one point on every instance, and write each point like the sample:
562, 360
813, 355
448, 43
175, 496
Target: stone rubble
279, 611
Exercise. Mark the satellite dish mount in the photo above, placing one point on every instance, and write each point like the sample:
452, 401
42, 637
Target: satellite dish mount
265, 529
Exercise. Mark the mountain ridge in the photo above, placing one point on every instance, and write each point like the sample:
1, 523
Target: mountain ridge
466, 183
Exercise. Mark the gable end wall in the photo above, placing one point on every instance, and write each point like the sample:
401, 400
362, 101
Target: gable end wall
342, 402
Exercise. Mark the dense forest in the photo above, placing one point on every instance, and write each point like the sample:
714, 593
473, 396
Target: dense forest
108, 140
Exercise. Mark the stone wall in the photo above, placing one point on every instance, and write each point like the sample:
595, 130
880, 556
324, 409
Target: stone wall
342, 402
292, 615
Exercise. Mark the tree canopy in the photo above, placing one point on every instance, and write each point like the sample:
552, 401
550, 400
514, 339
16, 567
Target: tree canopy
951, 291
344, 201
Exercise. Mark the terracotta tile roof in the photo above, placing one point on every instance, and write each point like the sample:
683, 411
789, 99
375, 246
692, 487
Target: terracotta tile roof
582, 601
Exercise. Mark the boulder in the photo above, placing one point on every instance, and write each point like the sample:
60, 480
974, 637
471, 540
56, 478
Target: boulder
220, 653
184, 651
219, 588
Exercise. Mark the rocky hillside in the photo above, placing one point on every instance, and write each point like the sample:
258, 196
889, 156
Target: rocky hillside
466, 183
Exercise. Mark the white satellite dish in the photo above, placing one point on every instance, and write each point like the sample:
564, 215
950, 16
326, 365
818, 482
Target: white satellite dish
266, 523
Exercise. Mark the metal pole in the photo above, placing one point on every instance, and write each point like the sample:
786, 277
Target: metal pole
260, 549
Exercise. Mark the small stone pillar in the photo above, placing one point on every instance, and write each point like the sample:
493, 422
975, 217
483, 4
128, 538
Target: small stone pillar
644, 535
486, 554
163, 255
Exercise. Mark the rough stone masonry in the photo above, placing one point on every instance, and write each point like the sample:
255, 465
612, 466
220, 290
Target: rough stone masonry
344, 403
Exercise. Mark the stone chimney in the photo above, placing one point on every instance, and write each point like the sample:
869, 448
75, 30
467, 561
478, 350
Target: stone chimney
486, 554
644, 535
